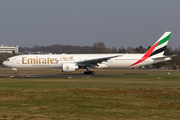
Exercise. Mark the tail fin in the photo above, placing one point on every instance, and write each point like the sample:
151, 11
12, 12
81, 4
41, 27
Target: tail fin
157, 49
160, 45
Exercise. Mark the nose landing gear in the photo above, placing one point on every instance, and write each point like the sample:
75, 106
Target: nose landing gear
16, 73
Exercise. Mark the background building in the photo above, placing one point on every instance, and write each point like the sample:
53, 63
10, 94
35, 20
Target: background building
7, 49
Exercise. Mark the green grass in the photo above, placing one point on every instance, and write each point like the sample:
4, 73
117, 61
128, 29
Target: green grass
153, 95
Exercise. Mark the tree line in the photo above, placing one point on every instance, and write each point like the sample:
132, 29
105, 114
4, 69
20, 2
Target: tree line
97, 47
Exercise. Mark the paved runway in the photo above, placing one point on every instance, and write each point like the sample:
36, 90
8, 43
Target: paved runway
55, 76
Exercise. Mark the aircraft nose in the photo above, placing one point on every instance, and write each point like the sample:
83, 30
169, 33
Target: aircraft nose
4, 63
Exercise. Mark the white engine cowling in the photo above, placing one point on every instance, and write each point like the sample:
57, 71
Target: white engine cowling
69, 67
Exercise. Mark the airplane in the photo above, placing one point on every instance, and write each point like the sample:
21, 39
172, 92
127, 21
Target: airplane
73, 62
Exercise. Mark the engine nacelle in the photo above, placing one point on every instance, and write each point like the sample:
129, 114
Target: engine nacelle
69, 67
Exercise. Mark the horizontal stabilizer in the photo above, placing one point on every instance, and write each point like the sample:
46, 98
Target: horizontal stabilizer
161, 57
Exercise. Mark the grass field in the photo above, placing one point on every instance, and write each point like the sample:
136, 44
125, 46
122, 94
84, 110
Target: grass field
131, 94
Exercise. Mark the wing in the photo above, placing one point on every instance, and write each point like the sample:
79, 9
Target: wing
94, 62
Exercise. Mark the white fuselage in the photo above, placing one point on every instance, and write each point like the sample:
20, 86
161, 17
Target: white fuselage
53, 61
72, 62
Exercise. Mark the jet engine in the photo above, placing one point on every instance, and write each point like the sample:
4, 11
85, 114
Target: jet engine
69, 67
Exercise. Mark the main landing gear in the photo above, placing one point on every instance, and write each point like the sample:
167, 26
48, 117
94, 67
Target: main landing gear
88, 68
89, 72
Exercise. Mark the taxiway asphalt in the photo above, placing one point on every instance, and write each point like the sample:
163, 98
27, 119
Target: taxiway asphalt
54, 76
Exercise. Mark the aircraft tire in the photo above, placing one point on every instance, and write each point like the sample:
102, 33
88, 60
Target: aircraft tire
89, 72
92, 73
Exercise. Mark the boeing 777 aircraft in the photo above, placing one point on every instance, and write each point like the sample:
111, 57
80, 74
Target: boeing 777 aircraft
73, 62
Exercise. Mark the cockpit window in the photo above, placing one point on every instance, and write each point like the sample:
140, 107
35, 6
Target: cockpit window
8, 60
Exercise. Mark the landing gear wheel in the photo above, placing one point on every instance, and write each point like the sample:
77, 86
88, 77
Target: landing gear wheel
16, 73
92, 73
89, 72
